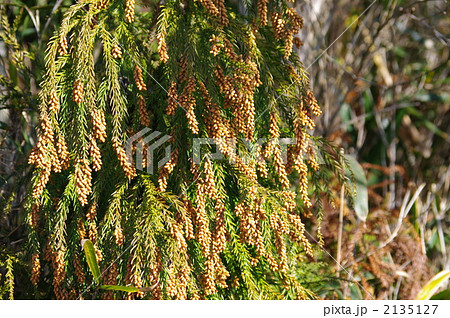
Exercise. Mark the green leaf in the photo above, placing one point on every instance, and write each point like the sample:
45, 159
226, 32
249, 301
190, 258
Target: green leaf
428, 124
361, 199
443, 295
129, 289
89, 251
433, 285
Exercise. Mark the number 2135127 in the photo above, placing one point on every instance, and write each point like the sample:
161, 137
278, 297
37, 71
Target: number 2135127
410, 309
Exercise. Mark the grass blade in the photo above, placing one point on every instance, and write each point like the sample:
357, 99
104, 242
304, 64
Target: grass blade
433, 285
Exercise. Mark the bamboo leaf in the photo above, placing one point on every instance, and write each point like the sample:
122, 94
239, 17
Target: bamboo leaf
433, 285
361, 199
89, 251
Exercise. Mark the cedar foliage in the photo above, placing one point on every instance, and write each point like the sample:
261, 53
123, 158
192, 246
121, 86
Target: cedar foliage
229, 229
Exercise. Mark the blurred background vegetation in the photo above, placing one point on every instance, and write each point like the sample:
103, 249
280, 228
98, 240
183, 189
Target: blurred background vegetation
380, 71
